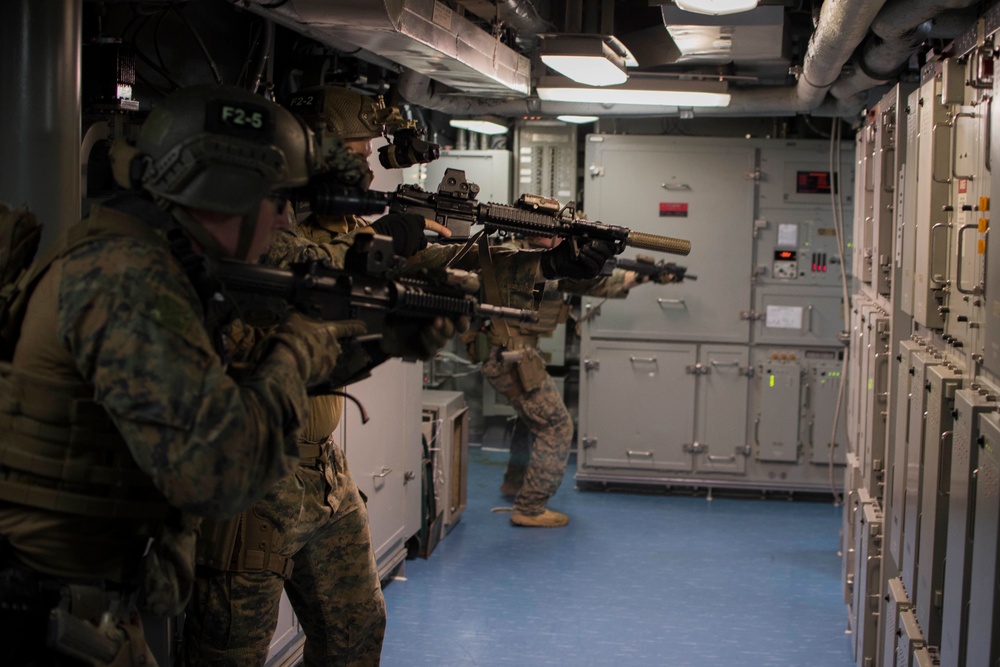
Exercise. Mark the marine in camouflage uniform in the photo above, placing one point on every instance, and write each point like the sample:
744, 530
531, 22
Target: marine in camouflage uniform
309, 536
117, 406
516, 369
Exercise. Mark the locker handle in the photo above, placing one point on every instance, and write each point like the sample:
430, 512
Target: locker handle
715, 458
672, 302
944, 456
934, 227
954, 134
645, 360
384, 472
634, 452
812, 422
934, 129
719, 364
885, 177
756, 431
809, 318
958, 276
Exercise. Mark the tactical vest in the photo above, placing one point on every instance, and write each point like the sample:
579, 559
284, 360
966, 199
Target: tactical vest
61, 450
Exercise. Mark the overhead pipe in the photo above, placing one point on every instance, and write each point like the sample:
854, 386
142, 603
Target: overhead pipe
840, 28
896, 34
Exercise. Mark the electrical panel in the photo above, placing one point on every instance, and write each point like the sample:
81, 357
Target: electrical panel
545, 159
983, 639
446, 431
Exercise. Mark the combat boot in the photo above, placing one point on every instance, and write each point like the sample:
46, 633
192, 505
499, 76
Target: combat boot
547, 519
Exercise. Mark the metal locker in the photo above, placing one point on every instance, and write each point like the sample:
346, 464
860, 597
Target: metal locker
852, 505
982, 647
932, 218
890, 131
867, 580
906, 208
865, 218
385, 454
942, 382
694, 188
910, 638
776, 425
919, 362
720, 444
926, 656
991, 297
825, 381
897, 505
896, 602
637, 405
969, 404
866, 359
876, 393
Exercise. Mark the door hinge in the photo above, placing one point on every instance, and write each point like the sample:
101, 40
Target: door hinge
697, 369
596, 171
592, 364
749, 371
588, 443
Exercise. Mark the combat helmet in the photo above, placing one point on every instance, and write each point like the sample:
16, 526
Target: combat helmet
221, 148
338, 112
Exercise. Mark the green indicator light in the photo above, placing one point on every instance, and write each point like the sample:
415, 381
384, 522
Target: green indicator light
771, 383
871, 384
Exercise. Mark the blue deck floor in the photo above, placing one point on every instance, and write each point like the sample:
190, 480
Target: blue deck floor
635, 579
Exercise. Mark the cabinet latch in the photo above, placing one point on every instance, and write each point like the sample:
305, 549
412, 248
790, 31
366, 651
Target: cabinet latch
694, 448
698, 369
592, 364
588, 443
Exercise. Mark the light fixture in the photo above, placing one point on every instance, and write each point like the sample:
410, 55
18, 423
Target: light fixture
716, 7
655, 91
586, 59
481, 125
579, 120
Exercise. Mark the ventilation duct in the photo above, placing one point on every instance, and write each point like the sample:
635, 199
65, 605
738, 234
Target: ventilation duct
422, 35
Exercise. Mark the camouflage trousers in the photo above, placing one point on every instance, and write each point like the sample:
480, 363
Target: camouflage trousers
551, 428
321, 523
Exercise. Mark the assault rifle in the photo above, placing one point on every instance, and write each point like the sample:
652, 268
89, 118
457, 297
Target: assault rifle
369, 288
645, 265
455, 206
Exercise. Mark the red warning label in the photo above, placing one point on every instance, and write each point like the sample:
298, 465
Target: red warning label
673, 210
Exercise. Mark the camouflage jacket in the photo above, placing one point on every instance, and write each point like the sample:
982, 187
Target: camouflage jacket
119, 314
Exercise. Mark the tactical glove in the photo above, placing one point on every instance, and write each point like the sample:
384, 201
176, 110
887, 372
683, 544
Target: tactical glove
406, 230
413, 339
313, 344
576, 261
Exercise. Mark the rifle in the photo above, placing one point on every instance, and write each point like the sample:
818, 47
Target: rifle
645, 265
369, 288
455, 206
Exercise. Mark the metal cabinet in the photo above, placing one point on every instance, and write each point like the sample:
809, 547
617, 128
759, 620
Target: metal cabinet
942, 382
896, 602
983, 639
867, 583
697, 189
640, 414
385, 454
969, 404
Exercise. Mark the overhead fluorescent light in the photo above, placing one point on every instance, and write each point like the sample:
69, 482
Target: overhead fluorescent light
659, 91
586, 59
579, 120
483, 126
716, 7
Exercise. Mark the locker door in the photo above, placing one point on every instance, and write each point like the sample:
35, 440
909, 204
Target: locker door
776, 426
902, 416
825, 382
983, 642
969, 404
693, 188
637, 405
722, 410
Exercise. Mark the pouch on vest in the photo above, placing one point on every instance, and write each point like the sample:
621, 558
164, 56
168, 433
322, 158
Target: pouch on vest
531, 370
